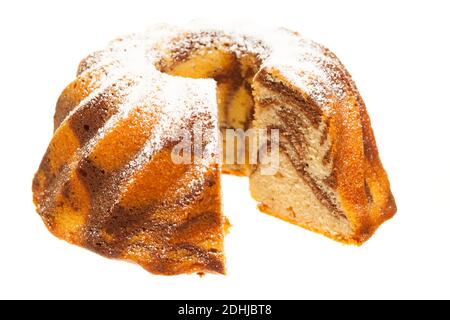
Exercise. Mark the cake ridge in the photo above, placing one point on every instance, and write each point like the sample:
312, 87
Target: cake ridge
84, 151
109, 181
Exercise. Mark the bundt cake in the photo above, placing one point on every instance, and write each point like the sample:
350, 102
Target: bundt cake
108, 180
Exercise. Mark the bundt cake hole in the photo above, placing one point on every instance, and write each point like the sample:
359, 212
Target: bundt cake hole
321, 174
235, 99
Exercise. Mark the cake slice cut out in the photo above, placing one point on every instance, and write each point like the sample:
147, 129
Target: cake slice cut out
109, 181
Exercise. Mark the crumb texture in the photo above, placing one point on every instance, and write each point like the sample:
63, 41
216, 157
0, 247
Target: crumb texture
107, 181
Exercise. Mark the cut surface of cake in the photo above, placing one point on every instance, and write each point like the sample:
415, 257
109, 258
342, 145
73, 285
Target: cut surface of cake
109, 181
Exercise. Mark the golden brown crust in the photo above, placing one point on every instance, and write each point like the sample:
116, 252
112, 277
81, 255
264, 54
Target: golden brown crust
350, 241
359, 177
79, 200
167, 217
82, 199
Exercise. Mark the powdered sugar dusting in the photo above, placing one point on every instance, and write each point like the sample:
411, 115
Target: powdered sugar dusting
299, 61
183, 99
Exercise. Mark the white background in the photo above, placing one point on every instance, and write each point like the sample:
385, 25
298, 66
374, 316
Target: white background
398, 53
